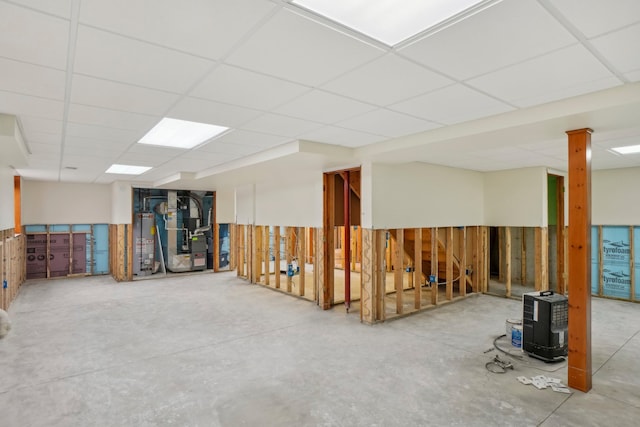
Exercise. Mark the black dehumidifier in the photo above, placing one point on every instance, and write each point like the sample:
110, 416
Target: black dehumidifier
544, 325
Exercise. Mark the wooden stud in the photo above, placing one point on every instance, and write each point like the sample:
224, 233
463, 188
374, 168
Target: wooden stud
398, 267
301, 259
449, 262
380, 273
463, 263
507, 260
434, 265
417, 269
289, 255
328, 247
266, 255
501, 255
579, 260
276, 253
320, 263
367, 283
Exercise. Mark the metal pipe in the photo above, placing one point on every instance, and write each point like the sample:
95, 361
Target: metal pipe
347, 242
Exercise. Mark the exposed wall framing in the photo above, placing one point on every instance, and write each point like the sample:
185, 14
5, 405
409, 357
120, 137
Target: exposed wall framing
12, 266
120, 252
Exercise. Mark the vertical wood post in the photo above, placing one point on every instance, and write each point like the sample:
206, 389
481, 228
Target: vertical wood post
367, 286
347, 241
417, 269
434, 265
328, 247
398, 265
289, 254
463, 263
302, 249
267, 254
579, 365
449, 263
380, 273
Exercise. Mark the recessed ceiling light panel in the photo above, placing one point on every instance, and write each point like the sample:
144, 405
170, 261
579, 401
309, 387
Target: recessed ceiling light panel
127, 169
388, 21
629, 149
181, 133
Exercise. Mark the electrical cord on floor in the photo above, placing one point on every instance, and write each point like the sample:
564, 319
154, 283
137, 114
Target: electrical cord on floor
520, 358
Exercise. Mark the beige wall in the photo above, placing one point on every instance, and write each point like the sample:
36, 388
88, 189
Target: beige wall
6, 198
615, 197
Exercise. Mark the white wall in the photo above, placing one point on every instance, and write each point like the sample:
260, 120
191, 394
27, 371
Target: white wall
293, 202
245, 204
46, 202
516, 198
121, 203
225, 206
421, 195
7, 219
615, 197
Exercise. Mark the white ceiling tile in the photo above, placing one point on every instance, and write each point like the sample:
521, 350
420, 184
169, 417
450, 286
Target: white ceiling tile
217, 158
236, 86
155, 151
597, 17
621, 48
44, 149
38, 125
43, 138
203, 27
341, 136
453, 104
243, 137
503, 34
31, 79
191, 165
138, 159
319, 55
230, 148
111, 118
102, 134
33, 37
323, 107
633, 76
118, 96
276, 124
88, 163
37, 173
388, 123
215, 113
88, 149
387, 80
568, 72
19, 105
60, 8
118, 58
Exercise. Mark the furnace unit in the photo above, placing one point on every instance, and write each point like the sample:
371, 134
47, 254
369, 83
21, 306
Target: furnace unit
544, 325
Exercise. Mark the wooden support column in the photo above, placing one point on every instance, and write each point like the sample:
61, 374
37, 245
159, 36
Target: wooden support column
463, 262
501, 255
276, 254
434, 265
398, 265
302, 249
417, 269
347, 241
579, 260
449, 263
507, 260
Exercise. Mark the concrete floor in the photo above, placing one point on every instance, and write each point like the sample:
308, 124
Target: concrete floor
212, 350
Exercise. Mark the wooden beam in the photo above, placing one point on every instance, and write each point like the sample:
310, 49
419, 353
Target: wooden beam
266, 255
276, 254
434, 265
449, 262
463, 262
523, 256
381, 273
501, 254
507, 260
328, 247
289, 255
579, 260
398, 266
417, 269
302, 243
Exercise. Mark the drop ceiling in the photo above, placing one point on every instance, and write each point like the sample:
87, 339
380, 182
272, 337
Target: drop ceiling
493, 89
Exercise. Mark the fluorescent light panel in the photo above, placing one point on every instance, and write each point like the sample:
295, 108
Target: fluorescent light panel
388, 21
127, 169
180, 133
629, 149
